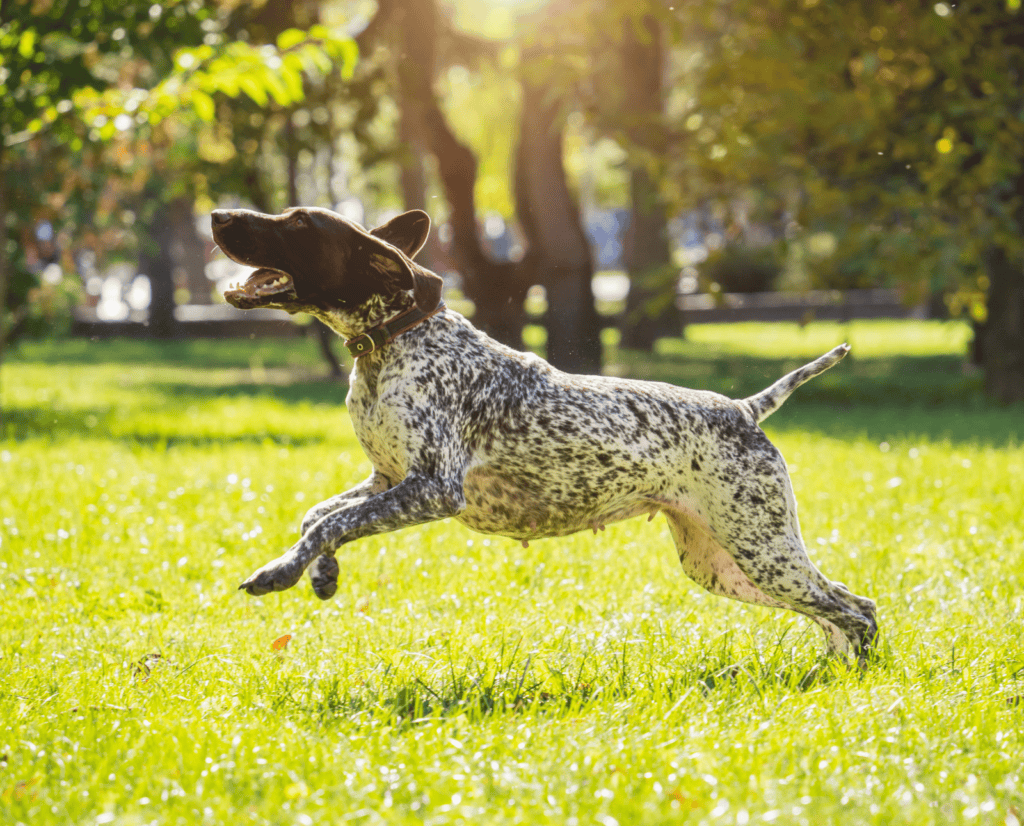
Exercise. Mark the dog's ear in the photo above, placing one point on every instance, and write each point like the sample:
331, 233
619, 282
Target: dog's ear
400, 273
407, 232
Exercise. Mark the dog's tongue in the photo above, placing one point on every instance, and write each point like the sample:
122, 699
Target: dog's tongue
264, 282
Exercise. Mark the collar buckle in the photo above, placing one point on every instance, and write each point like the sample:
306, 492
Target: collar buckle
374, 339
366, 343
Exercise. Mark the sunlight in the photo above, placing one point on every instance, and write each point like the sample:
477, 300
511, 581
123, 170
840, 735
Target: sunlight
493, 19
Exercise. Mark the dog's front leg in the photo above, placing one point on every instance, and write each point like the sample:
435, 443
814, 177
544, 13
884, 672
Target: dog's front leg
323, 571
413, 501
376, 483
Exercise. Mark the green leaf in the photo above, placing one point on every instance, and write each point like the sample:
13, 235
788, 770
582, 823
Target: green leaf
248, 84
292, 61
27, 43
278, 91
292, 79
290, 38
224, 79
348, 52
203, 105
315, 55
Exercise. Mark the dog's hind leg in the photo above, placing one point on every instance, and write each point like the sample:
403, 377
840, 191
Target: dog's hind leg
781, 569
708, 564
756, 523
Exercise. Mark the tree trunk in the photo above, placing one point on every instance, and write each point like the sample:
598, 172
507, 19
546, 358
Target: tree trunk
558, 253
413, 181
325, 338
190, 251
291, 151
4, 277
651, 312
1003, 346
255, 191
496, 288
156, 261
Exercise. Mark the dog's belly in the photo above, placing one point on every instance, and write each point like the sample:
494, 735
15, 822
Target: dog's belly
501, 504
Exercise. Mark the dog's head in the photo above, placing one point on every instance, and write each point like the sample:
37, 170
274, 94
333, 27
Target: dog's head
312, 258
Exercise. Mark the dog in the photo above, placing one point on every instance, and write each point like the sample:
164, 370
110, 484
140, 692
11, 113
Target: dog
458, 425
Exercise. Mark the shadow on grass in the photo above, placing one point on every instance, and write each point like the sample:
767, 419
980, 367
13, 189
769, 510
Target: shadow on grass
910, 398
416, 701
903, 380
524, 687
136, 428
204, 353
993, 427
929, 398
325, 392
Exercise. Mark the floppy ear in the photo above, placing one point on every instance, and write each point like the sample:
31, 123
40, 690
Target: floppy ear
407, 232
403, 274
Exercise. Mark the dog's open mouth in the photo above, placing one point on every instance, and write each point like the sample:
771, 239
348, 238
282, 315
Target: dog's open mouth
264, 286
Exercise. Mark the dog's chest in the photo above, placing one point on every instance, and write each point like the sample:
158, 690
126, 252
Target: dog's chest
381, 432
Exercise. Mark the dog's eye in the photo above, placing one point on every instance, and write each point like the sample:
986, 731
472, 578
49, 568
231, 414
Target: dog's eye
298, 220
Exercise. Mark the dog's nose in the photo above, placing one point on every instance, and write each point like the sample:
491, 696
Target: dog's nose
221, 217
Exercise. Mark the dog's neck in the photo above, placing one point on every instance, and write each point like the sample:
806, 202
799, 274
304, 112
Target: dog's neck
349, 323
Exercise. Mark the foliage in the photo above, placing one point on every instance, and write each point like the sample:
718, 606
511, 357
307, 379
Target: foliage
895, 127
139, 80
736, 268
48, 51
72, 59
460, 677
483, 109
263, 73
54, 48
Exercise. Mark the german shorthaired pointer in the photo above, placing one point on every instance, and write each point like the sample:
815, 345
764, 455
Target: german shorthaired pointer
458, 425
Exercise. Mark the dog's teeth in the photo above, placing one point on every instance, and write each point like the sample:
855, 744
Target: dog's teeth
275, 285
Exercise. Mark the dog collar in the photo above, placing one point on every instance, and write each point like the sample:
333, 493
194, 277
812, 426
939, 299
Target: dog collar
376, 338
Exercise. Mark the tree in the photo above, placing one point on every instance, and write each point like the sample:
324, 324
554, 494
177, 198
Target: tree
414, 28
558, 252
49, 52
650, 306
63, 68
556, 255
607, 62
889, 135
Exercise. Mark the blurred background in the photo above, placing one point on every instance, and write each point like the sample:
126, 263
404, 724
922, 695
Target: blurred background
640, 167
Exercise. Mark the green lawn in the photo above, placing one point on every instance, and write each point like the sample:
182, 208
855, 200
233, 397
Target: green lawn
457, 678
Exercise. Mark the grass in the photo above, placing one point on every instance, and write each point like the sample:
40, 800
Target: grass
460, 678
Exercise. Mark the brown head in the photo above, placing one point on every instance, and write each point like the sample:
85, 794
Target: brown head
312, 258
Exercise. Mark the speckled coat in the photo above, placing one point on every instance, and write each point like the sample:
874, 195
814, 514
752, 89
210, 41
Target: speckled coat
458, 425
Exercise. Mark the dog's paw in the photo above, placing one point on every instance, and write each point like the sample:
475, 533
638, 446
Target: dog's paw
279, 575
323, 574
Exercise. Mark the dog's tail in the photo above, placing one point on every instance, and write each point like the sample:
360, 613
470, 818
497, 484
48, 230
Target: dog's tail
768, 401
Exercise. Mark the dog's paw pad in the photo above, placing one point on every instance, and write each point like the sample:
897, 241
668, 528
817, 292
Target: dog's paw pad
323, 574
275, 576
